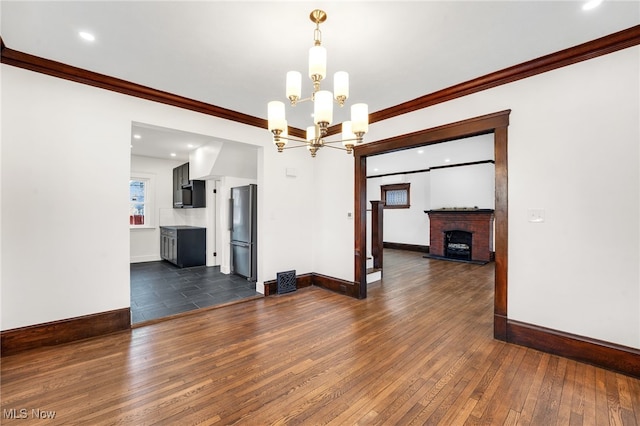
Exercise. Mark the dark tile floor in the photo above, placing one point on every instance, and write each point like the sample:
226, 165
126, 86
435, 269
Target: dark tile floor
160, 289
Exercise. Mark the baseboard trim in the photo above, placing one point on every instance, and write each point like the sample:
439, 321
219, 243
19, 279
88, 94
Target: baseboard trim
271, 286
607, 355
403, 246
143, 259
64, 331
336, 284
312, 279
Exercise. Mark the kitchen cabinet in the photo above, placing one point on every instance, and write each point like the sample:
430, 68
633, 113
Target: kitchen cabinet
183, 246
183, 175
187, 193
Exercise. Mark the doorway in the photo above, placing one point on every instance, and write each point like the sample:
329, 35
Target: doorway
495, 124
162, 289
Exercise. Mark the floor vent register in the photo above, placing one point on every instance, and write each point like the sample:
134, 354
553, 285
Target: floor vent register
286, 281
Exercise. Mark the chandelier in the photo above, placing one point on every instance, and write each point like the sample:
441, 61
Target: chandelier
352, 131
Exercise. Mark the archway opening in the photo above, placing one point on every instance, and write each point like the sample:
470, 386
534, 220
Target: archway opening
496, 124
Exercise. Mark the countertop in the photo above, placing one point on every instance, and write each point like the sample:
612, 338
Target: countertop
182, 227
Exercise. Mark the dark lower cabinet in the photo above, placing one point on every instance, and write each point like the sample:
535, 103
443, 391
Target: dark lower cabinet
183, 245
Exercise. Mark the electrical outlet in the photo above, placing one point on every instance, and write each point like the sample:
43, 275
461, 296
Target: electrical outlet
535, 215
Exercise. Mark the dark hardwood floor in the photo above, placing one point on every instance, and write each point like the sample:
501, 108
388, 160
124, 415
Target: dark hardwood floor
161, 289
418, 350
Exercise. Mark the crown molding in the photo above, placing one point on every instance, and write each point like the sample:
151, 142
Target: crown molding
80, 75
589, 50
582, 52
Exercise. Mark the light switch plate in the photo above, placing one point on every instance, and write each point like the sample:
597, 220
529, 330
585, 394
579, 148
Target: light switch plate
291, 172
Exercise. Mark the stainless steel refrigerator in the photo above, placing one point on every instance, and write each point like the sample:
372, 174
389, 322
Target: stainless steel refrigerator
243, 227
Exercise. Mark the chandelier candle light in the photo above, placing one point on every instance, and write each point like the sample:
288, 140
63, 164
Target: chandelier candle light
352, 131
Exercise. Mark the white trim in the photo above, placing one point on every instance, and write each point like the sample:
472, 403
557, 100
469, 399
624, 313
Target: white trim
146, 258
150, 201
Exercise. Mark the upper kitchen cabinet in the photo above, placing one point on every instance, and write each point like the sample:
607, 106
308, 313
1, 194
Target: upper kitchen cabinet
187, 193
181, 175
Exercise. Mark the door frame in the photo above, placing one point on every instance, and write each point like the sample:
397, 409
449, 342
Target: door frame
497, 124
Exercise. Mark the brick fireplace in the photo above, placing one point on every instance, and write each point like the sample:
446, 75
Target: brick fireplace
461, 234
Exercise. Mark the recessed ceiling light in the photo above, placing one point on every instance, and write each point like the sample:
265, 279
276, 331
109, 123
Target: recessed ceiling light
447, 160
173, 154
592, 4
375, 170
86, 36
137, 136
420, 152
190, 145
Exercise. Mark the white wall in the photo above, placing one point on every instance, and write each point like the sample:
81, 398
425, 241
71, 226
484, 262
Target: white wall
406, 226
331, 226
462, 186
286, 219
573, 151
66, 157
145, 242
202, 159
465, 186
66, 242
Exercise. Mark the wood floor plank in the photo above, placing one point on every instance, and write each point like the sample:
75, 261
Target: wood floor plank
526, 414
547, 405
491, 399
464, 399
601, 400
613, 399
418, 350
578, 399
591, 390
634, 396
564, 411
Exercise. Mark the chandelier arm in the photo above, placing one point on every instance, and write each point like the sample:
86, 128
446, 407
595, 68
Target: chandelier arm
310, 98
293, 139
342, 140
334, 147
292, 147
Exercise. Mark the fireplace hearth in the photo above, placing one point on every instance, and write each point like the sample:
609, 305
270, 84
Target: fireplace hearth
464, 234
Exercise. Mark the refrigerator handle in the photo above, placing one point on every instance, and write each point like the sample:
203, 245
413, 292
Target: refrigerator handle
230, 227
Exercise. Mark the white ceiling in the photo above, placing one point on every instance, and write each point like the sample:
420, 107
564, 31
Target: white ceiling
161, 142
236, 54
459, 151
234, 158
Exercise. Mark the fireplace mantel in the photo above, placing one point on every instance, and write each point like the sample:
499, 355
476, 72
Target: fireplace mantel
477, 222
459, 210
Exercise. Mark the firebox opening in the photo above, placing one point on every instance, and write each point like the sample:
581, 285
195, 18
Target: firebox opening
457, 244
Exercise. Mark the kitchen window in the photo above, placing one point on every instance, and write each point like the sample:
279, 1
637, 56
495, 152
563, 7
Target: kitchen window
396, 196
140, 201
